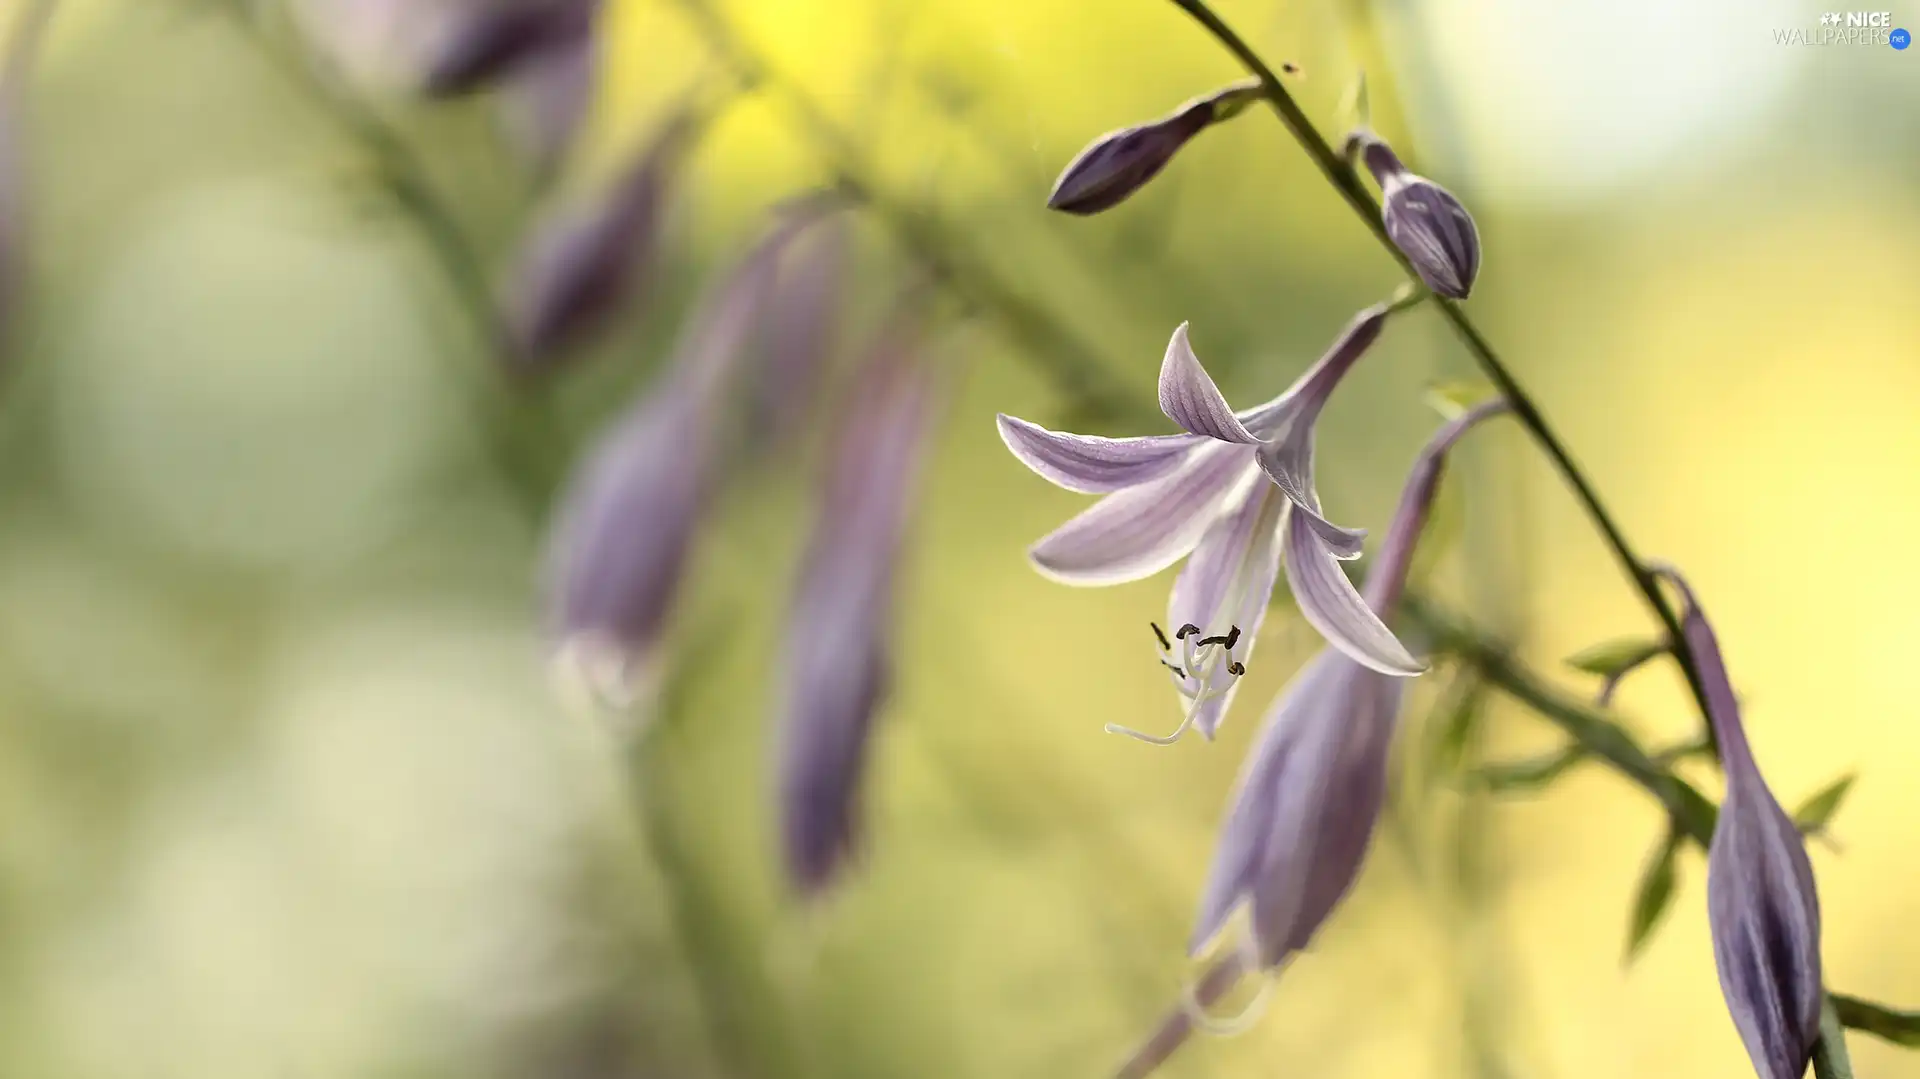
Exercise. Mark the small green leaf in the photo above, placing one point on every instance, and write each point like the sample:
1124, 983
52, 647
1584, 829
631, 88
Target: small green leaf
1655, 894
1451, 399
1821, 805
1532, 773
1453, 722
1610, 658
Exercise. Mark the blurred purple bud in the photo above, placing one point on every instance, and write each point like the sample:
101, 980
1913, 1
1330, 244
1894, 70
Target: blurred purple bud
544, 104
628, 517
483, 41
1307, 800
588, 256
803, 320
28, 31
1423, 220
1761, 904
838, 650
1121, 162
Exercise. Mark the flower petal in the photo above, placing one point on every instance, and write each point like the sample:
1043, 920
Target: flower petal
1142, 530
1328, 601
1289, 463
1190, 399
1090, 464
1228, 582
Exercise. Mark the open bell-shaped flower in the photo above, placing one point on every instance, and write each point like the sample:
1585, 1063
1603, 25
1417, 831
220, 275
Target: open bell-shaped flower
838, 650
1762, 906
1121, 162
1424, 220
1304, 809
1232, 492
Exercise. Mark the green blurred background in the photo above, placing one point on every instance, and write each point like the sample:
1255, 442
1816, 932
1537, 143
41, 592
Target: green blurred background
284, 787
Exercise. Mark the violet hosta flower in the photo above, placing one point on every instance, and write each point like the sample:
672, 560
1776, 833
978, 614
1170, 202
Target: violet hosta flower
801, 327
837, 658
1121, 162
1307, 799
628, 517
1206, 493
1761, 903
483, 41
587, 256
1424, 221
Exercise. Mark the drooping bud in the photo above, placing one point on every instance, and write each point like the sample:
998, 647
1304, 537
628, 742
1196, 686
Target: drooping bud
20, 51
838, 650
544, 103
802, 324
1121, 162
589, 255
628, 518
480, 42
1762, 906
1423, 220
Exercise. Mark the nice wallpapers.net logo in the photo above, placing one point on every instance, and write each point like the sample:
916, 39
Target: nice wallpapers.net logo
1848, 28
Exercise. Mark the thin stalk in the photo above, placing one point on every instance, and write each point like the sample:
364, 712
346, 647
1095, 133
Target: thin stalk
1347, 182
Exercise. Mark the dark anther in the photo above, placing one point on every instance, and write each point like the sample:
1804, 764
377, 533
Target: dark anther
1236, 668
1165, 645
1186, 631
1232, 638
1174, 667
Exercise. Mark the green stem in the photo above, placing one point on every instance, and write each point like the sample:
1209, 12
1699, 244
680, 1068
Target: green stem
1830, 1059
1348, 183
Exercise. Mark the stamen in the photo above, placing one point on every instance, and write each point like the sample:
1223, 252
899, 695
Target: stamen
1236, 668
1165, 645
1174, 667
1186, 631
1156, 739
1232, 638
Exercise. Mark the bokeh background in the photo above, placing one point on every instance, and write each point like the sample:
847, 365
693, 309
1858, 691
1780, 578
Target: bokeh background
285, 790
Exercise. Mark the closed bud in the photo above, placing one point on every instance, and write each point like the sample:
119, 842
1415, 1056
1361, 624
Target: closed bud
1429, 226
589, 255
481, 42
544, 103
1762, 908
1121, 162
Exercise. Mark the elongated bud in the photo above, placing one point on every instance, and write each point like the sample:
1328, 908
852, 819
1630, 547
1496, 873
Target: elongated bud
544, 103
480, 43
1762, 907
27, 31
1423, 220
628, 518
1121, 162
803, 320
838, 645
586, 257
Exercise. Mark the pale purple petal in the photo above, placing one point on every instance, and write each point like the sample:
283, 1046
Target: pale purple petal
1090, 464
1387, 573
1289, 463
1142, 530
1227, 583
803, 329
1190, 399
1328, 601
480, 43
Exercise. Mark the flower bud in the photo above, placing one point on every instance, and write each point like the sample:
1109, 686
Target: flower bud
838, 648
1423, 220
586, 257
1121, 162
481, 42
1762, 908
543, 104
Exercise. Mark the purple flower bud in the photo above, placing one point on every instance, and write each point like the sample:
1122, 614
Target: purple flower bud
802, 324
1761, 904
27, 33
1121, 162
628, 517
1424, 221
1307, 800
481, 42
545, 102
584, 258
837, 643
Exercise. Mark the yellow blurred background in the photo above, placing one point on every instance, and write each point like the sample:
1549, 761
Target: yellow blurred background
285, 791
